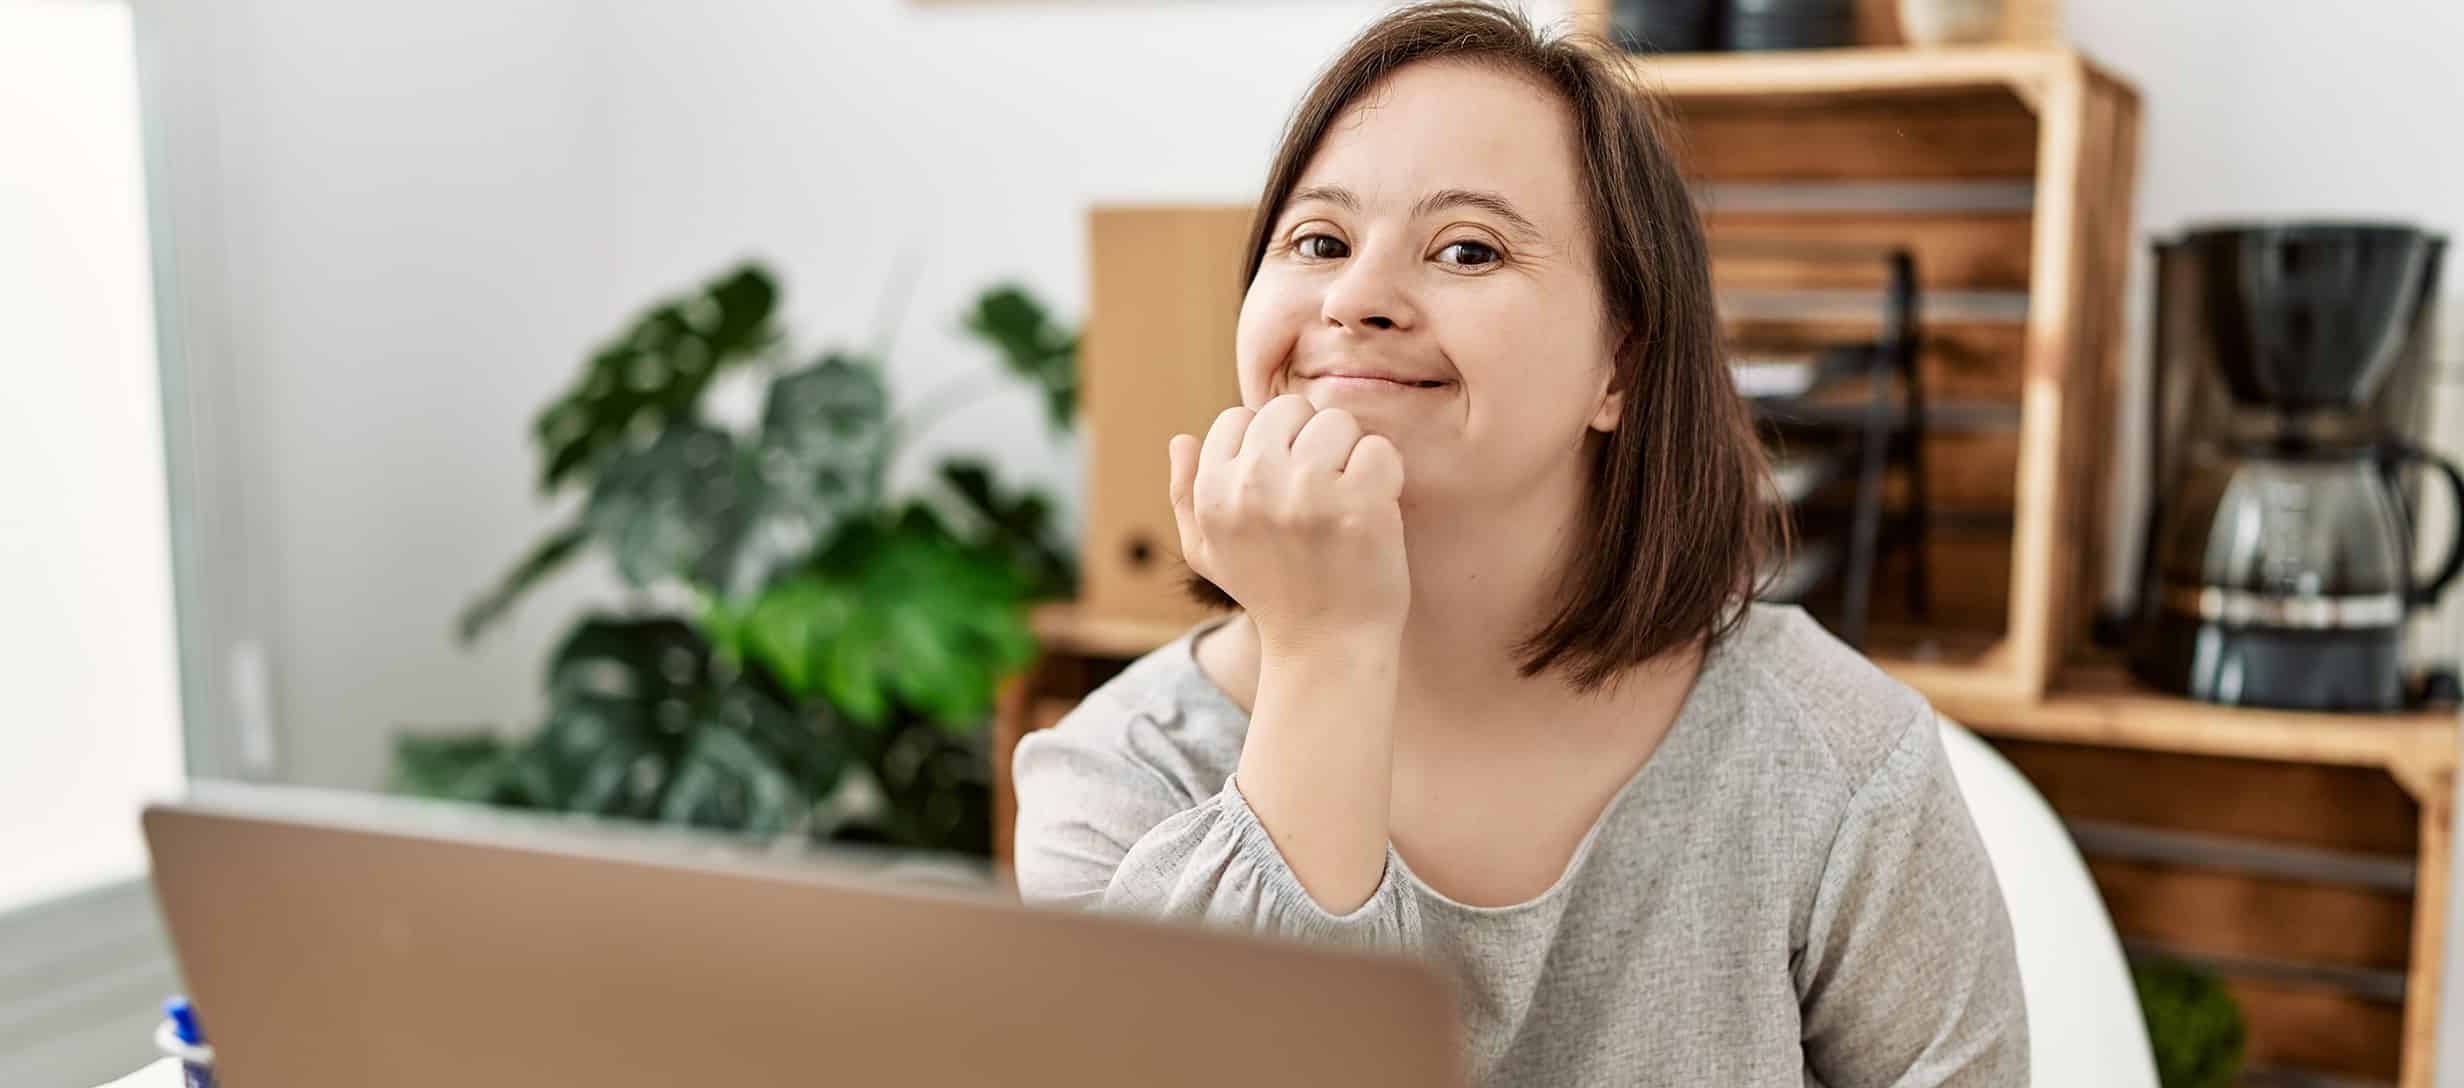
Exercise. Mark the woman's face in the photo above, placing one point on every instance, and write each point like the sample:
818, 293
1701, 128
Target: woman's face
1432, 273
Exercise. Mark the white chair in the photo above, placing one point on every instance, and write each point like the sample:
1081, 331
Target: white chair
2084, 1025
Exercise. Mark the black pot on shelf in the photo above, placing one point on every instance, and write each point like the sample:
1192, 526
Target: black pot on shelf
1666, 26
1751, 25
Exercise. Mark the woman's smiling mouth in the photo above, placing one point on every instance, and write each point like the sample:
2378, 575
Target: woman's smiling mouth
1371, 379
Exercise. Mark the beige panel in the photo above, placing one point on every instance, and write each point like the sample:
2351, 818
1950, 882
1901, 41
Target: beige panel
1157, 361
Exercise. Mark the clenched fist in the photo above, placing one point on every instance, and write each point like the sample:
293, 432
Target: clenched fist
1296, 513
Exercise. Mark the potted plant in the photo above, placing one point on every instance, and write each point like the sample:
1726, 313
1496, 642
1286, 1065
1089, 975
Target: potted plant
835, 634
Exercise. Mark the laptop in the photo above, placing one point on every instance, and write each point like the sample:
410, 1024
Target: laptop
345, 939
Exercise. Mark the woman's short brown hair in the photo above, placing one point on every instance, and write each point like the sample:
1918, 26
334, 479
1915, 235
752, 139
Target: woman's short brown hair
1677, 527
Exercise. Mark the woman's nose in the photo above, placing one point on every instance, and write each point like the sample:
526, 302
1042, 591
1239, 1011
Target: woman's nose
1370, 294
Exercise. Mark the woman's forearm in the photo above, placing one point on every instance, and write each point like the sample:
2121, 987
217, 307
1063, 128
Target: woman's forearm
1318, 764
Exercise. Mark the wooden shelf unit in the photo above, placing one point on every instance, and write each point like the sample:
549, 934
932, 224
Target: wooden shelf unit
2012, 168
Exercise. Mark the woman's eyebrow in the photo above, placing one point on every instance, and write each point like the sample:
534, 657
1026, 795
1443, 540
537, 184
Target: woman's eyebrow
1434, 202
1488, 202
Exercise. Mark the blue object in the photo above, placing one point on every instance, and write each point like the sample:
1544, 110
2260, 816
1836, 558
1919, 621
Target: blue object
184, 1020
184, 1027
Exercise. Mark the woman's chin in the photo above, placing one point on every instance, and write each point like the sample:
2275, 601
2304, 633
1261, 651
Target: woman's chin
1382, 407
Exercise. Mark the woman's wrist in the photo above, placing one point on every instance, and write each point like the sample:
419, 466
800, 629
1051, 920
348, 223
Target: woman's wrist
1362, 645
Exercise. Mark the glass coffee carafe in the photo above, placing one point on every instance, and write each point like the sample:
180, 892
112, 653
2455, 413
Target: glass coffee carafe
2279, 568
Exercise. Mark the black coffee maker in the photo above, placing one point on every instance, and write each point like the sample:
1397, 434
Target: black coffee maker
2279, 565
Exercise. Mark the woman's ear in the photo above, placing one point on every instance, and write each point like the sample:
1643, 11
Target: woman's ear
1612, 405
1612, 408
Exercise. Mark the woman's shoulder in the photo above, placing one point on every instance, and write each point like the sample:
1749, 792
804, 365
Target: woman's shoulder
1790, 682
1161, 713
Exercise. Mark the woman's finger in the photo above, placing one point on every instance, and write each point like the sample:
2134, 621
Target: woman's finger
1223, 440
1271, 433
1326, 441
1184, 454
1376, 465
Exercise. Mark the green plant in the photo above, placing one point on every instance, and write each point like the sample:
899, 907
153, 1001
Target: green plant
834, 625
2193, 1024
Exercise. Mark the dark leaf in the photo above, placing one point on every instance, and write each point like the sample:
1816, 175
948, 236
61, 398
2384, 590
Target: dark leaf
457, 767
1031, 345
643, 721
679, 508
1020, 527
821, 453
656, 370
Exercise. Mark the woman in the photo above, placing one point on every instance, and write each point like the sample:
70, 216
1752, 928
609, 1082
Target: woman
1495, 692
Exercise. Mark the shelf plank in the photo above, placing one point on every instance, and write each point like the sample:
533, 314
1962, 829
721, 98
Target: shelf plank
1863, 71
2102, 704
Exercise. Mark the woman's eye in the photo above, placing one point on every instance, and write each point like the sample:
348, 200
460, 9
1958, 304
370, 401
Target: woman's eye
1468, 254
1321, 247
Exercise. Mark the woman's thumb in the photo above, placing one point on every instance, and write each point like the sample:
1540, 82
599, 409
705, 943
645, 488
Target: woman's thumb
1184, 453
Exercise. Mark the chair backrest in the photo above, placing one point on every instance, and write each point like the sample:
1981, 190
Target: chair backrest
2084, 1025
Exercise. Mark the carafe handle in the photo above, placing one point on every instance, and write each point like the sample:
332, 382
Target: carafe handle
2423, 595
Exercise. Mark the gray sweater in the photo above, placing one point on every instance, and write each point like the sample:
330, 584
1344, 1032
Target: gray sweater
1789, 892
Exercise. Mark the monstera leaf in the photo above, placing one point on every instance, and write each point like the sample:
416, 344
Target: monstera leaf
644, 722
897, 614
820, 453
680, 507
1032, 345
654, 372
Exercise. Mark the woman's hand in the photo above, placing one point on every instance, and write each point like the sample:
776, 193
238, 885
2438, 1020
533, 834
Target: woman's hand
1296, 513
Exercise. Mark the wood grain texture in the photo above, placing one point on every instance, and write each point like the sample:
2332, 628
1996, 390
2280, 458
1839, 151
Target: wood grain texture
1979, 136
1967, 478
2425, 986
2219, 913
1968, 576
1954, 249
2320, 1030
2356, 809
2072, 305
2099, 703
1956, 360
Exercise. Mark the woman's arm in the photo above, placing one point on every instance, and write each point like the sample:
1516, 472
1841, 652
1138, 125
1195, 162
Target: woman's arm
1296, 513
1114, 815
1318, 767
1909, 977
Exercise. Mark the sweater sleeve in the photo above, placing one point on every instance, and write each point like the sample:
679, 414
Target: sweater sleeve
1909, 976
1108, 819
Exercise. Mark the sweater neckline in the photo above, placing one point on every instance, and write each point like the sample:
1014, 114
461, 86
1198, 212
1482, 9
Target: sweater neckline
1677, 746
